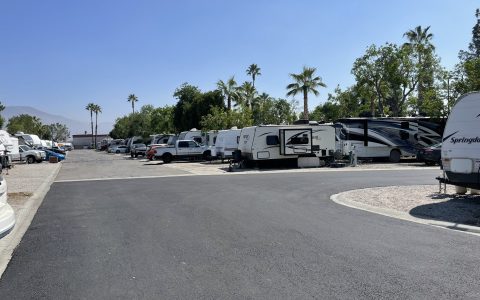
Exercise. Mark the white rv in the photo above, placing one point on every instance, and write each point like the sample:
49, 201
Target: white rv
10, 149
162, 139
192, 134
211, 138
227, 142
31, 140
461, 143
274, 142
391, 138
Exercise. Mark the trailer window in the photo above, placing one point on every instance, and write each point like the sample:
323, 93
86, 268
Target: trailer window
299, 140
272, 140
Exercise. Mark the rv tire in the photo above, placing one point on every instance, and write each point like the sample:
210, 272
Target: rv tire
395, 156
167, 158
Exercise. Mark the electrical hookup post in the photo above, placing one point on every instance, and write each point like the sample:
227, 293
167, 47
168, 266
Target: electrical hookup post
353, 157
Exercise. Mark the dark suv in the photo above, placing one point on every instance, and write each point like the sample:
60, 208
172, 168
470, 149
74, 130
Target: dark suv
138, 149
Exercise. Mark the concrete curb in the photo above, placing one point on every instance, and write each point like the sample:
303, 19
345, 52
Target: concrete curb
24, 218
340, 199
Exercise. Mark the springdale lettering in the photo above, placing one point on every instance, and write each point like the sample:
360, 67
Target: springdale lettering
465, 140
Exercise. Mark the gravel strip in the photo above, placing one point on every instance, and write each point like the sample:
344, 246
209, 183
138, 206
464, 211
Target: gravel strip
23, 178
422, 201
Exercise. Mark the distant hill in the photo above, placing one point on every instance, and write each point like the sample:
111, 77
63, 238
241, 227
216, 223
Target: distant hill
75, 126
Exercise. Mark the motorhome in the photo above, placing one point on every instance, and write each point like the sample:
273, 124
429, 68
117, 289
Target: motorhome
461, 143
227, 143
281, 142
391, 138
193, 134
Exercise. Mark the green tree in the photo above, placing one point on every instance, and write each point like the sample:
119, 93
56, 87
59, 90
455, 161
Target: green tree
132, 99
91, 107
162, 120
219, 118
326, 112
467, 71
97, 109
228, 90
305, 82
422, 50
254, 71
245, 94
57, 132
2, 120
192, 105
25, 123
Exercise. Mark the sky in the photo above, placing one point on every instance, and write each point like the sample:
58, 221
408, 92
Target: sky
58, 56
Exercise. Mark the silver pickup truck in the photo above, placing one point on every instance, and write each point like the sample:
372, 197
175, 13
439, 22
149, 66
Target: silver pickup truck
183, 150
31, 155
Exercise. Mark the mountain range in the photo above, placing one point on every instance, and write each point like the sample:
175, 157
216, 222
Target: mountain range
75, 126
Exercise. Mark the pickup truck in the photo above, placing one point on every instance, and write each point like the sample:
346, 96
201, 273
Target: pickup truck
31, 155
182, 150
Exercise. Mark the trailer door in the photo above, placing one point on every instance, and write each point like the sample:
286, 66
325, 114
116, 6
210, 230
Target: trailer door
295, 141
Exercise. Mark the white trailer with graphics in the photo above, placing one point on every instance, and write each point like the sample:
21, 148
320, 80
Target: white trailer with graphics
305, 143
461, 144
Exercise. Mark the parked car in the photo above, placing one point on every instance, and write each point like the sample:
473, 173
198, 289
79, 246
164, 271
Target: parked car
31, 155
431, 155
138, 149
118, 149
50, 153
7, 216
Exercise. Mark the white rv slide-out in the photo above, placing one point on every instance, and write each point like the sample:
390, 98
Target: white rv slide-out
461, 143
227, 143
273, 142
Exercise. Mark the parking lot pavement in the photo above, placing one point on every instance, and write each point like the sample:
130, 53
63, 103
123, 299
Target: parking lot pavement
90, 164
27, 186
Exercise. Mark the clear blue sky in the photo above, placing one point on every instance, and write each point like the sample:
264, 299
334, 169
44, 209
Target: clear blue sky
60, 55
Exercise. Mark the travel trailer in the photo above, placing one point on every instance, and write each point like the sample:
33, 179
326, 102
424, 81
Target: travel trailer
461, 143
391, 138
281, 142
211, 138
31, 140
227, 143
193, 134
162, 139
8, 148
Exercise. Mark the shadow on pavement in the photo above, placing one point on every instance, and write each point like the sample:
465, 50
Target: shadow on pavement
462, 209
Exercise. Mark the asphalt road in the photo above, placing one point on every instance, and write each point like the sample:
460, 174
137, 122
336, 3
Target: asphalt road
265, 236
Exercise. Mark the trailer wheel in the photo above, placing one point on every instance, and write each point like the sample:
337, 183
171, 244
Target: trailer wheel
30, 159
167, 158
460, 190
395, 156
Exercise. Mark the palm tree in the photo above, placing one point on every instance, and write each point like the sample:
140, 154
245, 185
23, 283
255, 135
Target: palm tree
245, 94
228, 89
419, 40
132, 98
96, 109
254, 71
305, 82
90, 107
